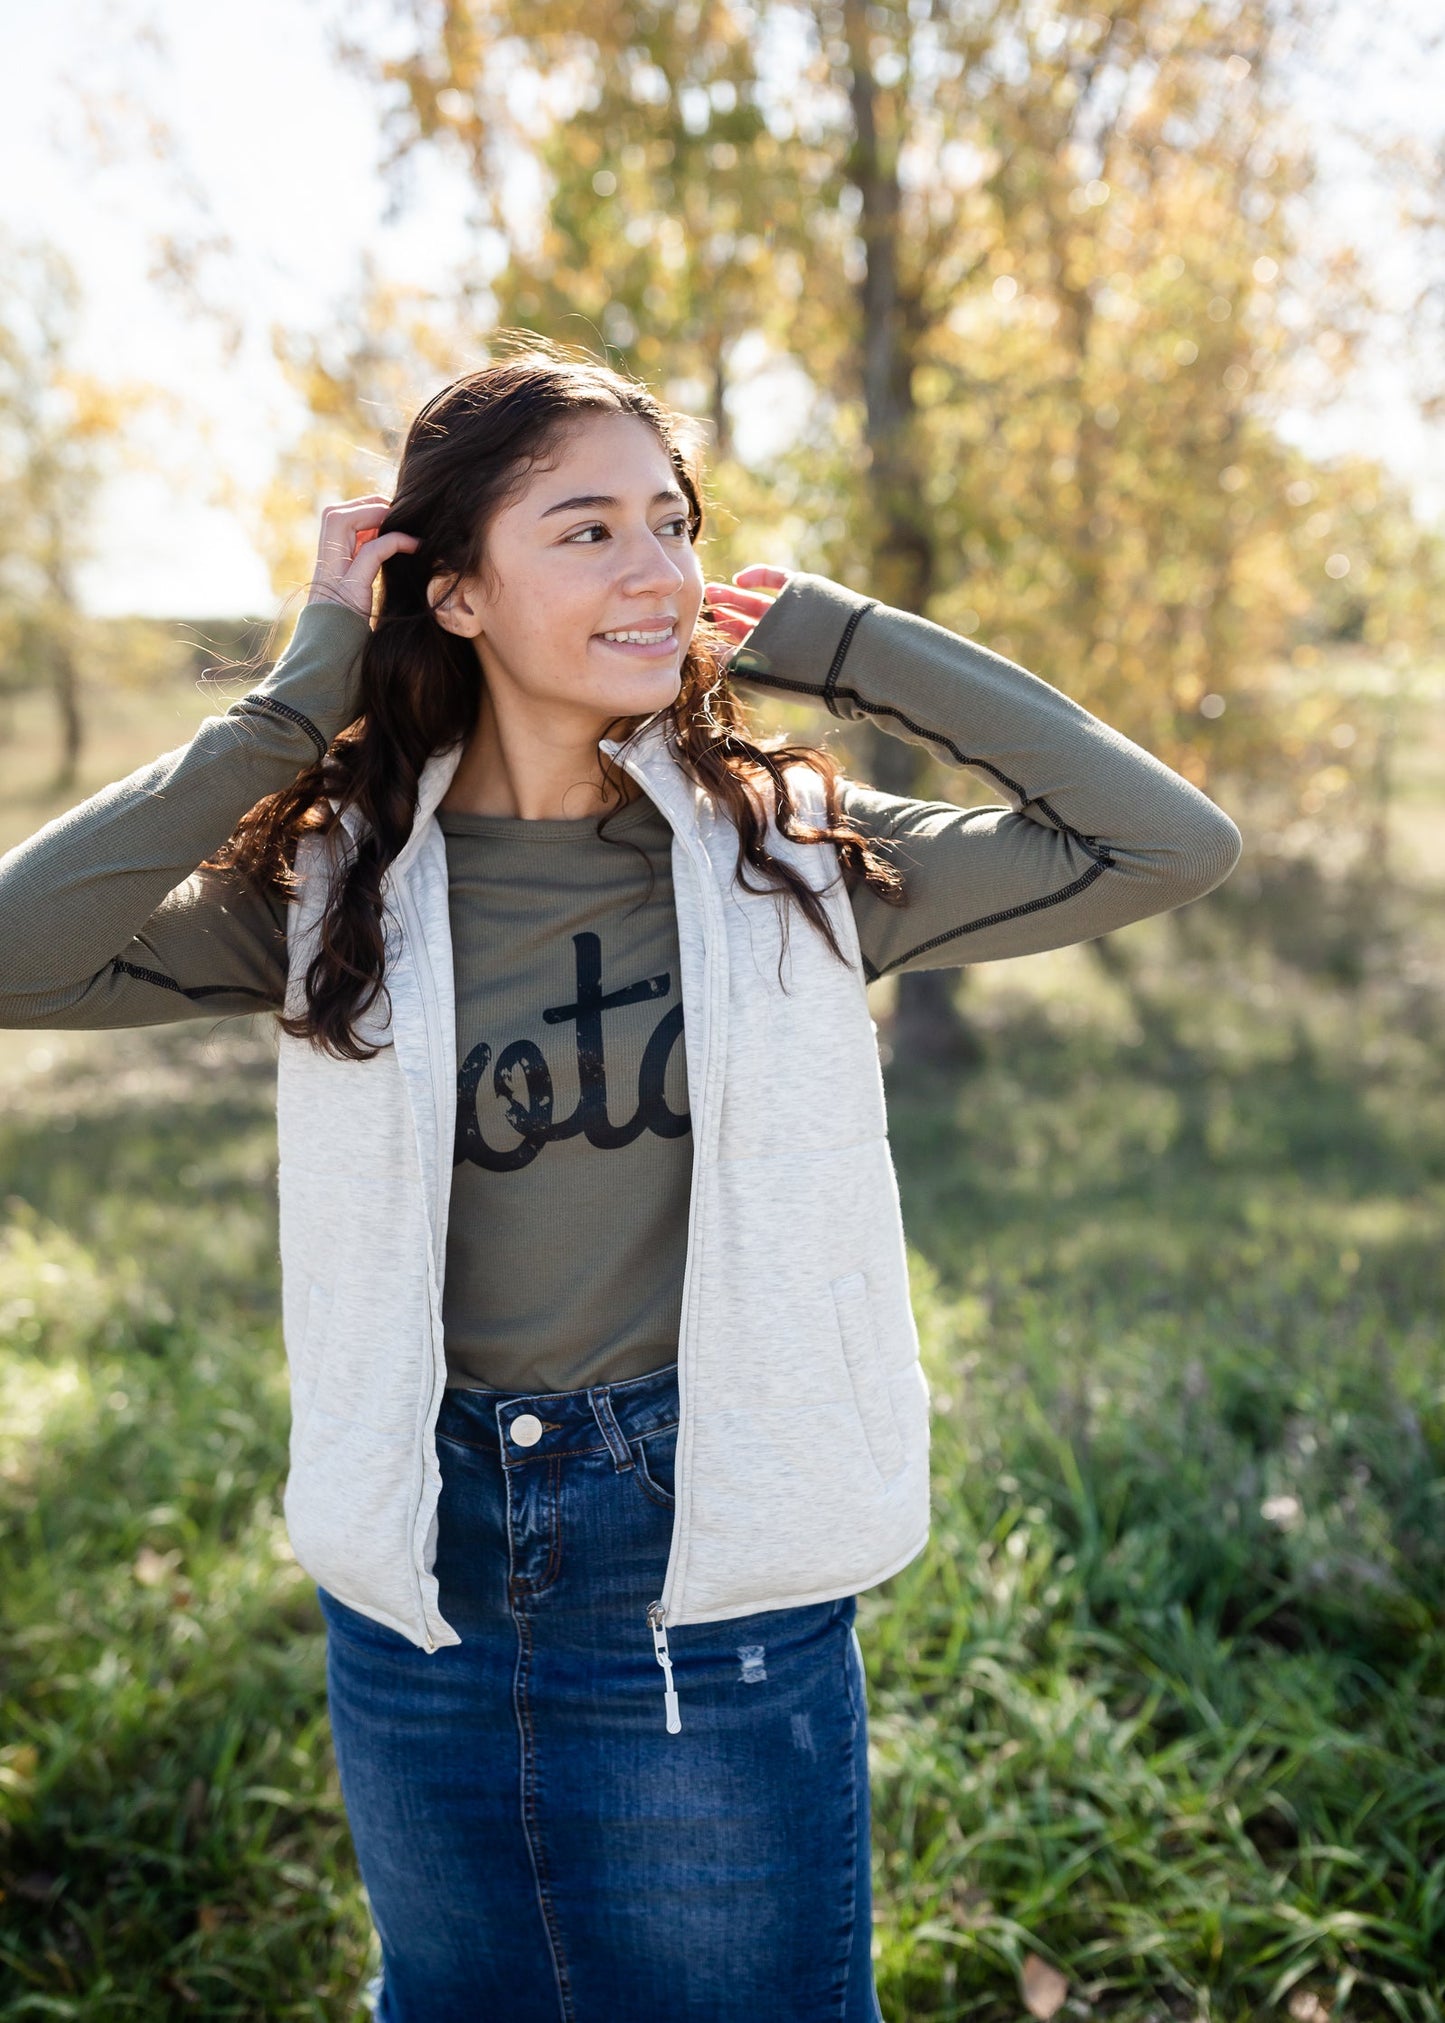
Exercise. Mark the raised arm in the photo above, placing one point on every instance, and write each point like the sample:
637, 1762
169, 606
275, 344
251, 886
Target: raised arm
106, 918
1095, 831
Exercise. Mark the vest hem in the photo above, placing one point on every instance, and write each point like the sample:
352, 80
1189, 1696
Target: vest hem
388, 1621
829, 1592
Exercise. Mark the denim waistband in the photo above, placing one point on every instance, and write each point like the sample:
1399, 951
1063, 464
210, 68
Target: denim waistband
601, 1417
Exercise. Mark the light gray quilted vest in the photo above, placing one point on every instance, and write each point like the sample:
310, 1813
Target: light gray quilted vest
802, 1454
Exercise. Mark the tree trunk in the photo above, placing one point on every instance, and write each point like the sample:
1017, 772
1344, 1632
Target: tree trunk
927, 1026
721, 423
62, 613
65, 677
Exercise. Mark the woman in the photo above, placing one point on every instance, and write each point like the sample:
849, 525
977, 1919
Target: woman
606, 1396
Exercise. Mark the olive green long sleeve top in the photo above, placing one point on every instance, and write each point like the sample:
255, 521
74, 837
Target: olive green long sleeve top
567, 1243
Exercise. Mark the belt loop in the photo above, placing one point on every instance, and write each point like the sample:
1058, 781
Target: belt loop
600, 1398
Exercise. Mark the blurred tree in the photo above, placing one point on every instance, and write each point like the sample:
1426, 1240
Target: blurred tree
1035, 283
59, 429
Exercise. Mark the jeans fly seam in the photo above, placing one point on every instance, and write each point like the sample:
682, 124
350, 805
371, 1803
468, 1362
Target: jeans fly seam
554, 1556
530, 1825
526, 1740
521, 1585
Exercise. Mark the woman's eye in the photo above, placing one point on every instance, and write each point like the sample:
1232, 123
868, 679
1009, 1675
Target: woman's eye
581, 535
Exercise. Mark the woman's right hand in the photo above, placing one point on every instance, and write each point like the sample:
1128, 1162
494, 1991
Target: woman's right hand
350, 552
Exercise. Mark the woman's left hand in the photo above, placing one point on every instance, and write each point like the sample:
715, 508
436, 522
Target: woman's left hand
737, 606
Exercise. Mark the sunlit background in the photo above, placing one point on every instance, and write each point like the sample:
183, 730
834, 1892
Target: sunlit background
215, 175
1112, 336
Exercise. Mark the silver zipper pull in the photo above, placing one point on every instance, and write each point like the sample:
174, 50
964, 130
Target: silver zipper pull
664, 1658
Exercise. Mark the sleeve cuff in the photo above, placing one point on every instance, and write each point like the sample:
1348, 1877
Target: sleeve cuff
795, 642
316, 675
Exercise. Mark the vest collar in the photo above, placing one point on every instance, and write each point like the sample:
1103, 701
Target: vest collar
653, 743
436, 777
650, 755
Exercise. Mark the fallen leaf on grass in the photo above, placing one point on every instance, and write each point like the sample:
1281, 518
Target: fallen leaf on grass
1306, 2007
1044, 1988
152, 1568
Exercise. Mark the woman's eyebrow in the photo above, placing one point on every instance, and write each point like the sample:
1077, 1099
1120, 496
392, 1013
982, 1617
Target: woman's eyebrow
594, 499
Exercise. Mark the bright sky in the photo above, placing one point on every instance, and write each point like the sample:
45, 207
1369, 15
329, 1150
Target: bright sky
280, 145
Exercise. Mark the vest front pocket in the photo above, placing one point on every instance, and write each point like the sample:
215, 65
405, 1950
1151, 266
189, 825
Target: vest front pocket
870, 1392
352, 1371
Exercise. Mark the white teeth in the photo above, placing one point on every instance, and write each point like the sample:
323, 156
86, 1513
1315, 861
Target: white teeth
641, 638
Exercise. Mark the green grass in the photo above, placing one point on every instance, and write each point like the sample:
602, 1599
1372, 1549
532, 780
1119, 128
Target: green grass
173, 1840
1161, 1704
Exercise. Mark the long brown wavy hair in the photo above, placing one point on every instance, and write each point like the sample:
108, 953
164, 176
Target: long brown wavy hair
466, 454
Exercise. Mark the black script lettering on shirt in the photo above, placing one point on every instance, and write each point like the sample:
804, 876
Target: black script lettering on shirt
522, 1080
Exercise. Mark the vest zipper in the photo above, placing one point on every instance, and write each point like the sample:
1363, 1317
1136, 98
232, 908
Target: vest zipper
431, 1019
706, 1041
664, 1658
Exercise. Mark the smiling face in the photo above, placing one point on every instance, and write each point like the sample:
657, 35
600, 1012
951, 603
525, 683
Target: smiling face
592, 587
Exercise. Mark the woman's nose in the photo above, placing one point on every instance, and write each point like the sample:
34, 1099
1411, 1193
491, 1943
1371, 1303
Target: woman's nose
650, 567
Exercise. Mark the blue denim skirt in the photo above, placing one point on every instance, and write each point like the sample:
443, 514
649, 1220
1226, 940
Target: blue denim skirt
535, 1845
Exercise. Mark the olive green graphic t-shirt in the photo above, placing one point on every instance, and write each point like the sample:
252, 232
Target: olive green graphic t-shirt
573, 1158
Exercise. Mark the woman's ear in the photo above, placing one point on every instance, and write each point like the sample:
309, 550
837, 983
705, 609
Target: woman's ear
452, 607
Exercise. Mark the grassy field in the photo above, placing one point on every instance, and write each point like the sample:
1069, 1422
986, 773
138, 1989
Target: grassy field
1160, 1709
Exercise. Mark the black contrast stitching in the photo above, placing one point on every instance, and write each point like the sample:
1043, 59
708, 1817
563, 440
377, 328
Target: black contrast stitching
963, 758
197, 993
294, 716
831, 682
1102, 856
1085, 878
